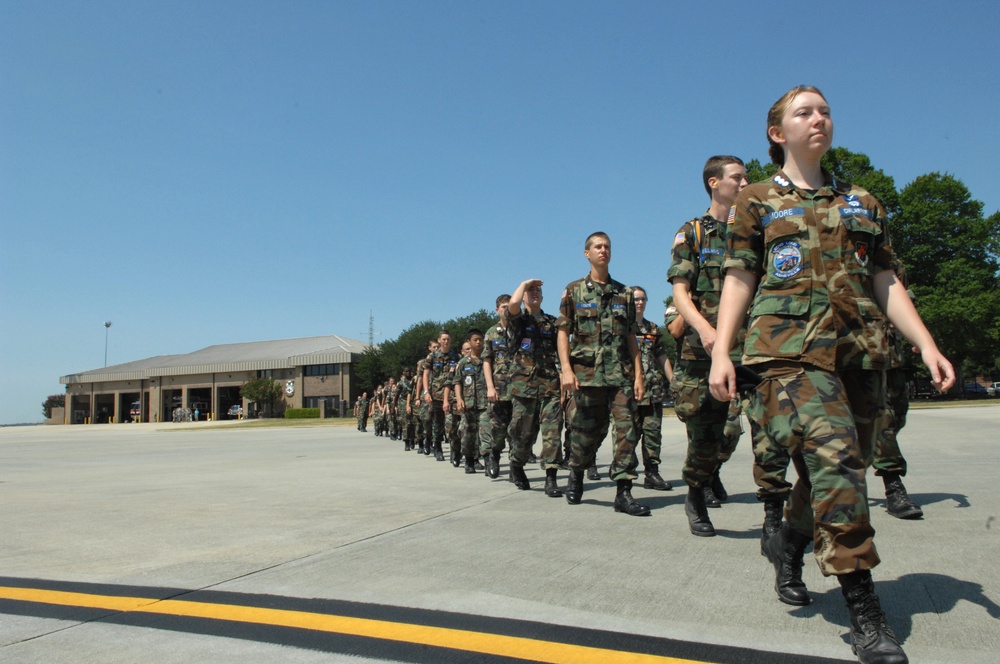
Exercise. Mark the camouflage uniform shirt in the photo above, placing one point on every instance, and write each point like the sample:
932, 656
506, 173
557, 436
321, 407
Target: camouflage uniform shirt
650, 341
697, 255
816, 255
442, 366
469, 374
599, 317
535, 360
496, 350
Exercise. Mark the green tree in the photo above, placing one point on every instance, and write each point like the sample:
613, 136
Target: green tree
262, 391
856, 168
370, 370
950, 251
52, 401
757, 172
408, 348
459, 327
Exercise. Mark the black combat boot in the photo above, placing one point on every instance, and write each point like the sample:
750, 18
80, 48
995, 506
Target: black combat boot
785, 551
592, 473
493, 464
694, 508
871, 638
624, 502
772, 521
717, 488
470, 466
518, 477
574, 487
479, 464
438, 452
456, 458
710, 499
897, 501
551, 488
653, 480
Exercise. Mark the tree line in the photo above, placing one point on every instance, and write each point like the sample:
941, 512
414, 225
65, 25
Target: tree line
951, 252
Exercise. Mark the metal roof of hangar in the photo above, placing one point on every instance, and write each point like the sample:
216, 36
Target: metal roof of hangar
248, 356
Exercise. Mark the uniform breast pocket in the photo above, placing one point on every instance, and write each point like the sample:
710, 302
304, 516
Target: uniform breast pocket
588, 324
787, 255
861, 239
619, 318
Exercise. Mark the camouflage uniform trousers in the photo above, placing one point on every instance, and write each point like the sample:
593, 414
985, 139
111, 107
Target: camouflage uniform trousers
471, 418
426, 425
827, 422
436, 420
713, 427
529, 417
416, 427
589, 413
412, 427
650, 427
452, 428
888, 457
494, 436
771, 460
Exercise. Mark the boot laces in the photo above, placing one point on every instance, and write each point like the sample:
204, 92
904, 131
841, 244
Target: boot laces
871, 619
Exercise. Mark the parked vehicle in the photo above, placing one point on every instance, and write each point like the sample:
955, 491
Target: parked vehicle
994, 390
974, 391
235, 411
135, 412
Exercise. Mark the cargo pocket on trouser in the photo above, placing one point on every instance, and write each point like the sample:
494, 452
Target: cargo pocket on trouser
687, 395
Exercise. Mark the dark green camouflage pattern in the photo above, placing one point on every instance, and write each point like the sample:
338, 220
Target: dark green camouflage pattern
713, 427
652, 353
826, 422
598, 317
589, 411
534, 359
815, 255
529, 416
697, 255
496, 350
469, 374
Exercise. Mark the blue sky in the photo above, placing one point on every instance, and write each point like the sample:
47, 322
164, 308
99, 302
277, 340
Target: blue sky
215, 172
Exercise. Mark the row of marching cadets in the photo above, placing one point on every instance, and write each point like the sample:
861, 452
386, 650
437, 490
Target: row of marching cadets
789, 304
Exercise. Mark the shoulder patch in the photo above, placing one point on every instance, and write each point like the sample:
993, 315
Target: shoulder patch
679, 238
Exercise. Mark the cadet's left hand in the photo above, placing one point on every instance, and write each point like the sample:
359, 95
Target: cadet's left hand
640, 388
942, 373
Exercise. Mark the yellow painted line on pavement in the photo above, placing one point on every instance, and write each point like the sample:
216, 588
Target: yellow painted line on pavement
441, 637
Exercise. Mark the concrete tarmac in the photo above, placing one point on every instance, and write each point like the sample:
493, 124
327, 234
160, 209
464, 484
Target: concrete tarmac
329, 513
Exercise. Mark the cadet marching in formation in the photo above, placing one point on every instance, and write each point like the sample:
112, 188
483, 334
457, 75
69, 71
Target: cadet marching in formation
790, 306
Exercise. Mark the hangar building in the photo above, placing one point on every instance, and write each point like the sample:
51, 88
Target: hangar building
314, 372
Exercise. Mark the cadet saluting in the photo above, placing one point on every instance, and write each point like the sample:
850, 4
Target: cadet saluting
817, 251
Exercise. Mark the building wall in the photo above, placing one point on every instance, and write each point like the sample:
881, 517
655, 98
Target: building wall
85, 401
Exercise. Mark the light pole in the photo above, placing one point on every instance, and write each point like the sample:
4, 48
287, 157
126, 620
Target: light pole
107, 325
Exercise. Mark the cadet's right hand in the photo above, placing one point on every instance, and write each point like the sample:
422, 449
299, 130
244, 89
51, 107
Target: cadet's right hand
568, 381
722, 379
491, 394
